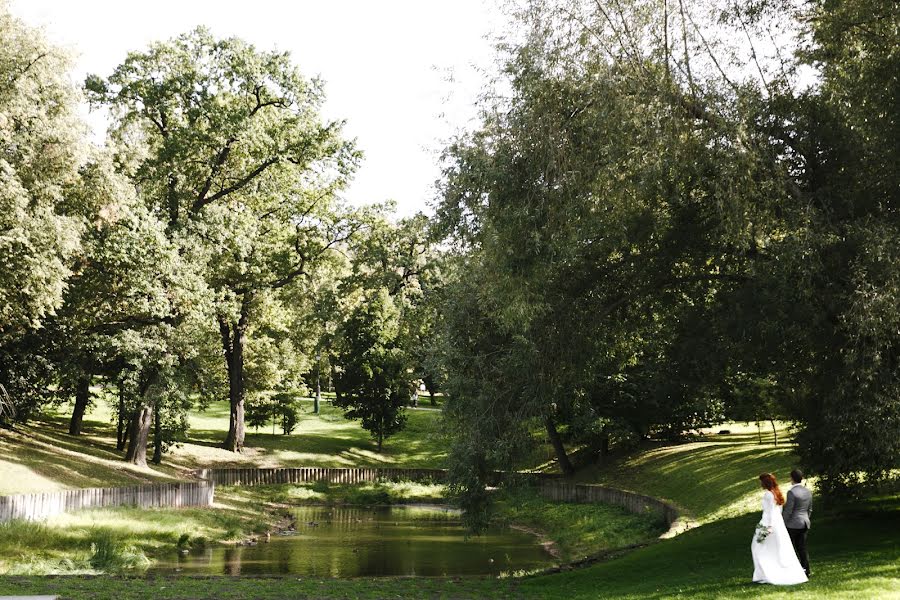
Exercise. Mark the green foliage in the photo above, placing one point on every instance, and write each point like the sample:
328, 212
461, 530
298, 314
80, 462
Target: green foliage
373, 383
231, 152
601, 221
272, 408
41, 146
41, 149
653, 238
820, 308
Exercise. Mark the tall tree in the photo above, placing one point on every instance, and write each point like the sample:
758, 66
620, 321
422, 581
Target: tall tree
41, 148
823, 308
241, 166
372, 375
611, 192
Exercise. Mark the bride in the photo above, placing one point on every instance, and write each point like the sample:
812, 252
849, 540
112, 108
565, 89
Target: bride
774, 560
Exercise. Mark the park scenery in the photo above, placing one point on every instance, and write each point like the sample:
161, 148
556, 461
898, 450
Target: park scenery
651, 256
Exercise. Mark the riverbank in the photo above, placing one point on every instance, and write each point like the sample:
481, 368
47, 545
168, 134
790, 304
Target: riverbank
63, 544
854, 549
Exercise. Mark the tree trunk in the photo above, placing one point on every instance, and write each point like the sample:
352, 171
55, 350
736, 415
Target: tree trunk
774, 432
429, 385
337, 391
561, 457
157, 435
82, 398
234, 338
140, 432
126, 435
120, 425
604, 447
318, 398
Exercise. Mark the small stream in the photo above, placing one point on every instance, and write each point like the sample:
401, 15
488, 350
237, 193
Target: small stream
360, 541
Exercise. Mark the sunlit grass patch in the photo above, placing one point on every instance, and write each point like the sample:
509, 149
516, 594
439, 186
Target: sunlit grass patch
711, 480
852, 556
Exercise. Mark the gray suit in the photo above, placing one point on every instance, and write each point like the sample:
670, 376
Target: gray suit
797, 507
796, 512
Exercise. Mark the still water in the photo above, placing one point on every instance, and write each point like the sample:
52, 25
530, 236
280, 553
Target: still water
370, 541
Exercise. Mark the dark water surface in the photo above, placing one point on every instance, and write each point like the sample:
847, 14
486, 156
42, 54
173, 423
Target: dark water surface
370, 541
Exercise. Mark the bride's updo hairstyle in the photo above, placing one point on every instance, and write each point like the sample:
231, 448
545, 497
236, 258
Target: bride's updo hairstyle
768, 482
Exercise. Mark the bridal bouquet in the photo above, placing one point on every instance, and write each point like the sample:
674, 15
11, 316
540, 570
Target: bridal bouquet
762, 532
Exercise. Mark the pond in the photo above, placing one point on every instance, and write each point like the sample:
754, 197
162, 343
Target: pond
370, 541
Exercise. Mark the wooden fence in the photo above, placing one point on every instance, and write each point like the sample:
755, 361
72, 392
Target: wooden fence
551, 486
313, 474
46, 504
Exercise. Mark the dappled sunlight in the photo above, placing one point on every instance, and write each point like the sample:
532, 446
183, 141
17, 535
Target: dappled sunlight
46, 458
711, 480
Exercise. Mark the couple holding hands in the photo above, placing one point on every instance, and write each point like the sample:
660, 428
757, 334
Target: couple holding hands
779, 543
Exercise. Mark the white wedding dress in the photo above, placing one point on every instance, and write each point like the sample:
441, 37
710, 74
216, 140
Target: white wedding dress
774, 559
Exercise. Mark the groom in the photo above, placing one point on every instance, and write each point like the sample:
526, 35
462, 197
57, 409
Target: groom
796, 512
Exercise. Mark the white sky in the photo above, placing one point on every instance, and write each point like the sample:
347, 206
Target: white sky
401, 72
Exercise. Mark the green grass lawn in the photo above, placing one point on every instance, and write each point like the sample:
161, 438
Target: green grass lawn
323, 440
855, 548
713, 478
852, 556
42, 456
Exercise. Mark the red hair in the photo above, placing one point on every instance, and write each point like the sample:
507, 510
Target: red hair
768, 482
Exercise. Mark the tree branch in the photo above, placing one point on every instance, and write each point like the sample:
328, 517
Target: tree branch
239, 184
217, 165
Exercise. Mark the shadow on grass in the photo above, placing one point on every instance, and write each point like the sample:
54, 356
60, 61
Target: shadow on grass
704, 478
70, 462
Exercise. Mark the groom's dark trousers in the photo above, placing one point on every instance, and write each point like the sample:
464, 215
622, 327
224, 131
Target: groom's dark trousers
798, 539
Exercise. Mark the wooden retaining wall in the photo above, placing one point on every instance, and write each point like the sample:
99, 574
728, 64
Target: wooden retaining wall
313, 474
551, 486
562, 491
46, 504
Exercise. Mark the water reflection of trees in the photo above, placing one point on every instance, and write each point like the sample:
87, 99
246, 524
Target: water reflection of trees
366, 541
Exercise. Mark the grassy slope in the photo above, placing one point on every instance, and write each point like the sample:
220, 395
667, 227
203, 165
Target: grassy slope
43, 457
713, 478
854, 555
577, 530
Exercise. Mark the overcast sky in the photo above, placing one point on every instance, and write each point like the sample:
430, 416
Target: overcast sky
403, 73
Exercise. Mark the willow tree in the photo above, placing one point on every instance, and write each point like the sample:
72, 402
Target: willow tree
617, 187
229, 149
826, 311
